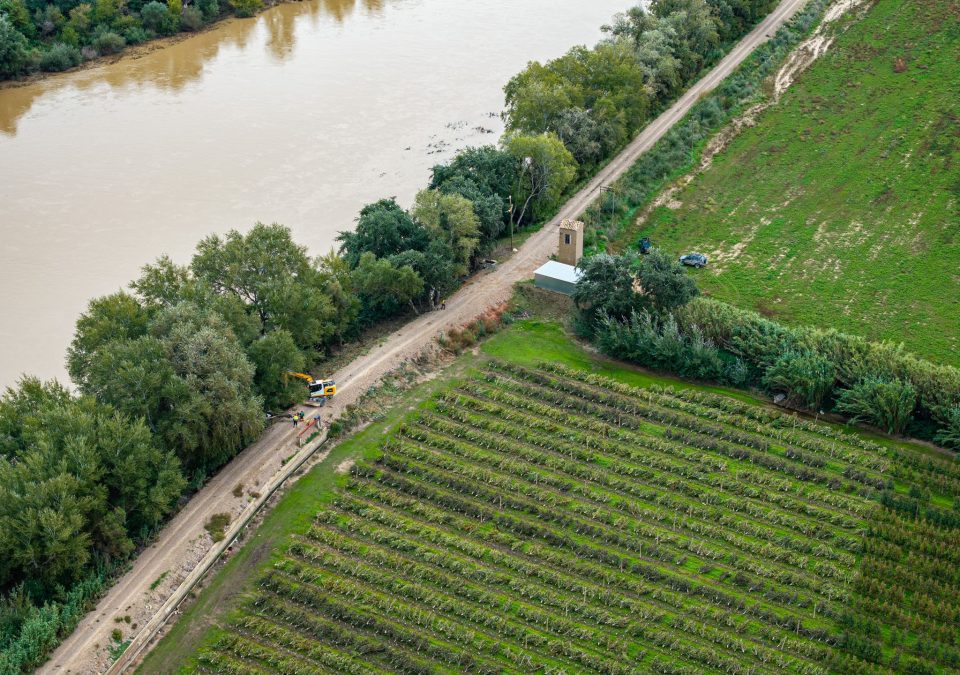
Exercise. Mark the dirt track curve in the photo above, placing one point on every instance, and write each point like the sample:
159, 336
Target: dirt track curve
183, 542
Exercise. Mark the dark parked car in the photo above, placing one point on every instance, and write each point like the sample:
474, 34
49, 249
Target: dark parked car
697, 260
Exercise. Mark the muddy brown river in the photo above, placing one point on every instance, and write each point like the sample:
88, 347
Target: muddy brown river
299, 116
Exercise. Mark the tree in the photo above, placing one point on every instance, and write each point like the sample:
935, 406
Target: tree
77, 481
105, 11
493, 170
191, 19
209, 8
547, 168
13, 49
694, 30
805, 379
220, 412
244, 8
488, 207
587, 139
884, 403
18, 13
274, 278
189, 379
535, 97
156, 17
113, 317
435, 266
450, 218
383, 229
664, 282
164, 283
384, 288
334, 275
273, 356
81, 17
606, 84
607, 289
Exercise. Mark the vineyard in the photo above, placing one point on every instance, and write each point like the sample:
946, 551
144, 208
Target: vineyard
545, 519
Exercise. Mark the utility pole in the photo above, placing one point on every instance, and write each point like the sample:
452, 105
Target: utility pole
511, 224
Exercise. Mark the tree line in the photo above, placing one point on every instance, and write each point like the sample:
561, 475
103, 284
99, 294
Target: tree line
646, 309
596, 100
39, 35
175, 373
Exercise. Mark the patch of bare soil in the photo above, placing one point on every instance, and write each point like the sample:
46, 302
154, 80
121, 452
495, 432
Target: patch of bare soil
345, 465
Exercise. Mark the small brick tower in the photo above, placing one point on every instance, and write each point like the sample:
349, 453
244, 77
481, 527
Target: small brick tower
571, 242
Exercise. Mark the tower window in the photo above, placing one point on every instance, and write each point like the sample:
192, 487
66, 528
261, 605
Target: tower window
566, 239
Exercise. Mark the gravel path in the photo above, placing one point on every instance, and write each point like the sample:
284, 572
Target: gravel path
184, 542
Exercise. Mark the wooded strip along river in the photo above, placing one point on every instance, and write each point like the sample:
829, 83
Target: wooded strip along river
300, 116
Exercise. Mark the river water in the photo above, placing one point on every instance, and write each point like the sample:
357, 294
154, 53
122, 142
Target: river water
299, 116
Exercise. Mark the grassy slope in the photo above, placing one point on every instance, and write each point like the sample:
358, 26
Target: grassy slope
526, 343
841, 208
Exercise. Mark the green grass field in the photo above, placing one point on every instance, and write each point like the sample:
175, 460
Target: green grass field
541, 509
841, 207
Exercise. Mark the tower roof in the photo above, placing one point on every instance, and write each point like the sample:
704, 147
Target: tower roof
567, 224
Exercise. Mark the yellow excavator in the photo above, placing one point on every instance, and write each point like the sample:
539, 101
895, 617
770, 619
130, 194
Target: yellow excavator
320, 390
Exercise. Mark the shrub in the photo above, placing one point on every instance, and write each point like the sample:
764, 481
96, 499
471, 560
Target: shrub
806, 379
209, 8
760, 343
135, 35
659, 343
887, 404
109, 42
244, 8
737, 373
13, 49
949, 435
60, 57
217, 526
156, 17
191, 19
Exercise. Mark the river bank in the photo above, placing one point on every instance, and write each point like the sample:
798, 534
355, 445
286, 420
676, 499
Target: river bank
137, 51
294, 117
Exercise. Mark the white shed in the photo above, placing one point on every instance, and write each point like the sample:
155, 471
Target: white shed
556, 276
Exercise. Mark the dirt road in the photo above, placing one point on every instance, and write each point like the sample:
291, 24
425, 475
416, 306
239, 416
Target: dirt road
184, 542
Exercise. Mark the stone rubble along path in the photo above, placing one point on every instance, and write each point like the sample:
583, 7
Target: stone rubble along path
183, 542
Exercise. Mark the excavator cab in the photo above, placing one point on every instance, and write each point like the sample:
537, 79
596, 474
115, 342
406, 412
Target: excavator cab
323, 389
320, 390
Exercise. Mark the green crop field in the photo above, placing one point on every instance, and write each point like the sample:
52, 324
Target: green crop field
577, 516
841, 207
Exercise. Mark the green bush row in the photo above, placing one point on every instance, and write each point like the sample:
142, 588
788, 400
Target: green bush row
877, 382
